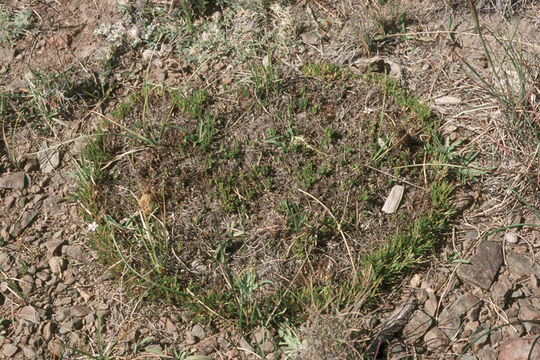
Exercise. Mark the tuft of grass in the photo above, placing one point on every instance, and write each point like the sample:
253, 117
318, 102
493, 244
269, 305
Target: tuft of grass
13, 24
513, 80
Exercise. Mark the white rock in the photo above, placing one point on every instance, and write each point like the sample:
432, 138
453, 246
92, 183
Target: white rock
415, 281
394, 199
447, 100
511, 237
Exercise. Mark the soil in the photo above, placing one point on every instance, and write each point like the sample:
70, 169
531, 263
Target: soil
59, 297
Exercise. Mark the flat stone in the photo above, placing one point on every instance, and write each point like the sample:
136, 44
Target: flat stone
198, 332
436, 340
207, 346
530, 316
519, 349
57, 264
5, 260
169, 326
449, 323
534, 285
14, 181
30, 314
265, 340
480, 335
502, 289
223, 343
447, 100
54, 247
244, 345
487, 353
74, 252
310, 38
29, 353
56, 348
28, 218
394, 199
483, 266
417, 326
79, 310
190, 339
27, 284
9, 350
463, 304
48, 330
49, 158
520, 264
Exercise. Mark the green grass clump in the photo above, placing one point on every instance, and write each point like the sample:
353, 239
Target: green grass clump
187, 161
13, 24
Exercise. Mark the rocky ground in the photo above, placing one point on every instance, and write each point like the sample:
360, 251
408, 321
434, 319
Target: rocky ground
480, 298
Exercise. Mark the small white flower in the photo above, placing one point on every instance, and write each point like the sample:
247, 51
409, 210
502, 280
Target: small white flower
93, 226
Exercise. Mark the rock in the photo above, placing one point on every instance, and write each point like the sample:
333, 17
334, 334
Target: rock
79, 311
511, 237
520, 264
4, 235
48, 330
516, 219
14, 181
483, 266
207, 346
393, 323
29, 353
5, 261
27, 284
431, 303
9, 350
487, 353
54, 247
449, 323
190, 339
417, 326
530, 318
9, 201
394, 199
30, 314
416, 280
28, 218
502, 289
515, 330
265, 340
89, 319
519, 349
463, 304
223, 343
49, 158
245, 346
462, 202
86, 295
436, 340
447, 100
310, 38
169, 326
534, 285
57, 264
480, 336
74, 252
197, 332
56, 348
